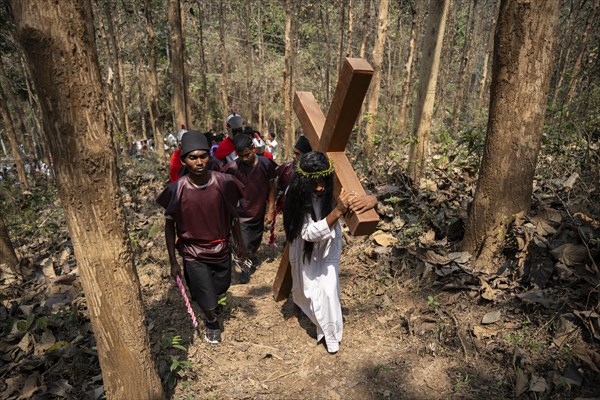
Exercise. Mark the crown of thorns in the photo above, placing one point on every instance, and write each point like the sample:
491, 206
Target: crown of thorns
316, 174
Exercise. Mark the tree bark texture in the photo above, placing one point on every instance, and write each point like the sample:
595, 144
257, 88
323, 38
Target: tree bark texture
178, 74
432, 48
58, 41
523, 59
378, 52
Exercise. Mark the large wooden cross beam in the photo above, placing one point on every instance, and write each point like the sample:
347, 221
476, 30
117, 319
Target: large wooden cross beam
330, 135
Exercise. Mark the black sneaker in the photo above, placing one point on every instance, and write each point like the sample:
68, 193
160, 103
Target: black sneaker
212, 332
255, 263
212, 336
244, 277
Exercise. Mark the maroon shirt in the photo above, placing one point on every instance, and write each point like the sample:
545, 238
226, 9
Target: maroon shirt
285, 173
203, 216
256, 180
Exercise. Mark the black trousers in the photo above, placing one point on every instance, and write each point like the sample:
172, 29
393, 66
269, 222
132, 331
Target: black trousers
252, 233
207, 281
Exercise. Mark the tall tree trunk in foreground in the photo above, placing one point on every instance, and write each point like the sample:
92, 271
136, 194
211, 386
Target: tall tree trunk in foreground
373, 100
523, 60
11, 134
178, 74
288, 78
58, 40
430, 65
8, 257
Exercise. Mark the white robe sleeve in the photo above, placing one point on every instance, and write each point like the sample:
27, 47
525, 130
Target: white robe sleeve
317, 231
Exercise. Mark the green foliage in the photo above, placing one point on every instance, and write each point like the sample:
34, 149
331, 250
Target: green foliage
432, 302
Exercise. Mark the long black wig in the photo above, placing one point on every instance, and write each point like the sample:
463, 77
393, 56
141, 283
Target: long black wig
298, 198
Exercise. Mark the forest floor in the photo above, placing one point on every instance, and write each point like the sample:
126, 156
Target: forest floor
419, 323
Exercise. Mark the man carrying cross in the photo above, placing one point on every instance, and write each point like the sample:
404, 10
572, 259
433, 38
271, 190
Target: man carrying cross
311, 219
312, 228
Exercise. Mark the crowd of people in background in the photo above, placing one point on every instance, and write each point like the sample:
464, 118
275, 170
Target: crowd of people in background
34, 168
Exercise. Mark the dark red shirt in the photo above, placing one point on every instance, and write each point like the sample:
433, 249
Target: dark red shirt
285, 173
256, 180
203, 216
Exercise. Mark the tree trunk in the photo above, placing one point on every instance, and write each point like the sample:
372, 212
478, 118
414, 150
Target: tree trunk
263, 126
178, 74
464, 67
224, 86
431, 50
583, 42
407, 80
288, 78
8, 257
11, 134
324, 14
523, 60
486, 59
350, 28
16, 113
342, 35
378, 52
248, 63
117, 66
446, 59
154, 89
366, 19
38, 144
58, 41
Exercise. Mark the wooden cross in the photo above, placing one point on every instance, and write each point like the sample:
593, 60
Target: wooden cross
330, 135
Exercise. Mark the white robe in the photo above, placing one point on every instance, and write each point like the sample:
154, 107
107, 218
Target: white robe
316, 285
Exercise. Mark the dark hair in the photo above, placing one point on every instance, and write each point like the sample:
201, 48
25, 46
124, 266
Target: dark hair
298, 198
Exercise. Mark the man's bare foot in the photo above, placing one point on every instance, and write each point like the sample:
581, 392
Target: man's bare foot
292, 321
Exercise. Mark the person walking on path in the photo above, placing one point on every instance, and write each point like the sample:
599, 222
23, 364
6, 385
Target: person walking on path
311, 224
200, 214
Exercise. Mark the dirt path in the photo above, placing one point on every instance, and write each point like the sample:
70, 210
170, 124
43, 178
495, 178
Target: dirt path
262, 356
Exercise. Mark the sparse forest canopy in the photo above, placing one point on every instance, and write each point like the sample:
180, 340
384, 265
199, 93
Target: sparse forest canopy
479, 135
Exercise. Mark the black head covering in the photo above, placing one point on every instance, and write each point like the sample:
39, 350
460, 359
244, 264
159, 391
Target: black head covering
241, 142
193, 140
303, 145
